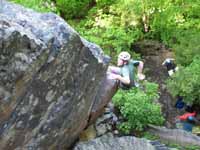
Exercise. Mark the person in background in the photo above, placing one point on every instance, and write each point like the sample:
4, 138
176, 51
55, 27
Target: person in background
124, 72
170, 65
179, 103
188, 120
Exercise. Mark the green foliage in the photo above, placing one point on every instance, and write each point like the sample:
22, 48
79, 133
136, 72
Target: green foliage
163, 22
179, 147
169, 144
104, 27
165, 19
138, 107
174, 17
104, 3
115, 25
191, 147
186, 82
188, 47
73, 8
38, 5
150, 136
112, 39
181, 28
137, 12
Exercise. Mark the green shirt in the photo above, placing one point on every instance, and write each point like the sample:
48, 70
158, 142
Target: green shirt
128, 71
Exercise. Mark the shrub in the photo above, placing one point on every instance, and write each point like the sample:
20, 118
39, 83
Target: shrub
138, 107
187, 47
73, 8
112, 39
39, 5
186, 82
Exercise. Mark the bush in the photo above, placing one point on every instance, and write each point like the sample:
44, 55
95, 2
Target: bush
187, 47
38, 5
138, 107
173, 17
112, 38
105, 26
186, 82
73, 8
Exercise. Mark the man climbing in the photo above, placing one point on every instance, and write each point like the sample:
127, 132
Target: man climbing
125, 70
170, 65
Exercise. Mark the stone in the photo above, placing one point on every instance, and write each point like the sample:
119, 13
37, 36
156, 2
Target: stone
106, 91
88, 134
176, 136
110, 108
104, 118
45, 105
109, 142
101, 129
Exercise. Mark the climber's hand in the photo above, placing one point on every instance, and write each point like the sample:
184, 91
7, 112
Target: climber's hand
141, 76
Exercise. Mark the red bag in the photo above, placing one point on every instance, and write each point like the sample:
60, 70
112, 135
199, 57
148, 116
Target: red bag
186, 115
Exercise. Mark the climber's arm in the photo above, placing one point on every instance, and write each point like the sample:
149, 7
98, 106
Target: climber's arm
125, 80
140, 67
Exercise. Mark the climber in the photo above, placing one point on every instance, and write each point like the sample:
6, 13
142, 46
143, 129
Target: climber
170, 65
189, 123
188, 120
125, 70
179, 103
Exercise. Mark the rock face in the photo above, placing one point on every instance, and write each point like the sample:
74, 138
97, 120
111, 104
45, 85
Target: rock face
176, 136
107, 90
108, 142
49, 77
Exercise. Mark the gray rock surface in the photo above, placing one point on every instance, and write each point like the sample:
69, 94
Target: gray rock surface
106, 91
177, 136
49, 77
108, 142
107, 122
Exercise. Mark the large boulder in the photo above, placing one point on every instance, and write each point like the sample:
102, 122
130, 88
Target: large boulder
49, 77
109, 142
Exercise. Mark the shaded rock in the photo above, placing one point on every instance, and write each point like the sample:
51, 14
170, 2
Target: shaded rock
159, 146
105, 93
102, 129
109, 142
175, 136
104, 118
107, 121
103, 125
110, 108
88, 134
148, 47
44, 104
